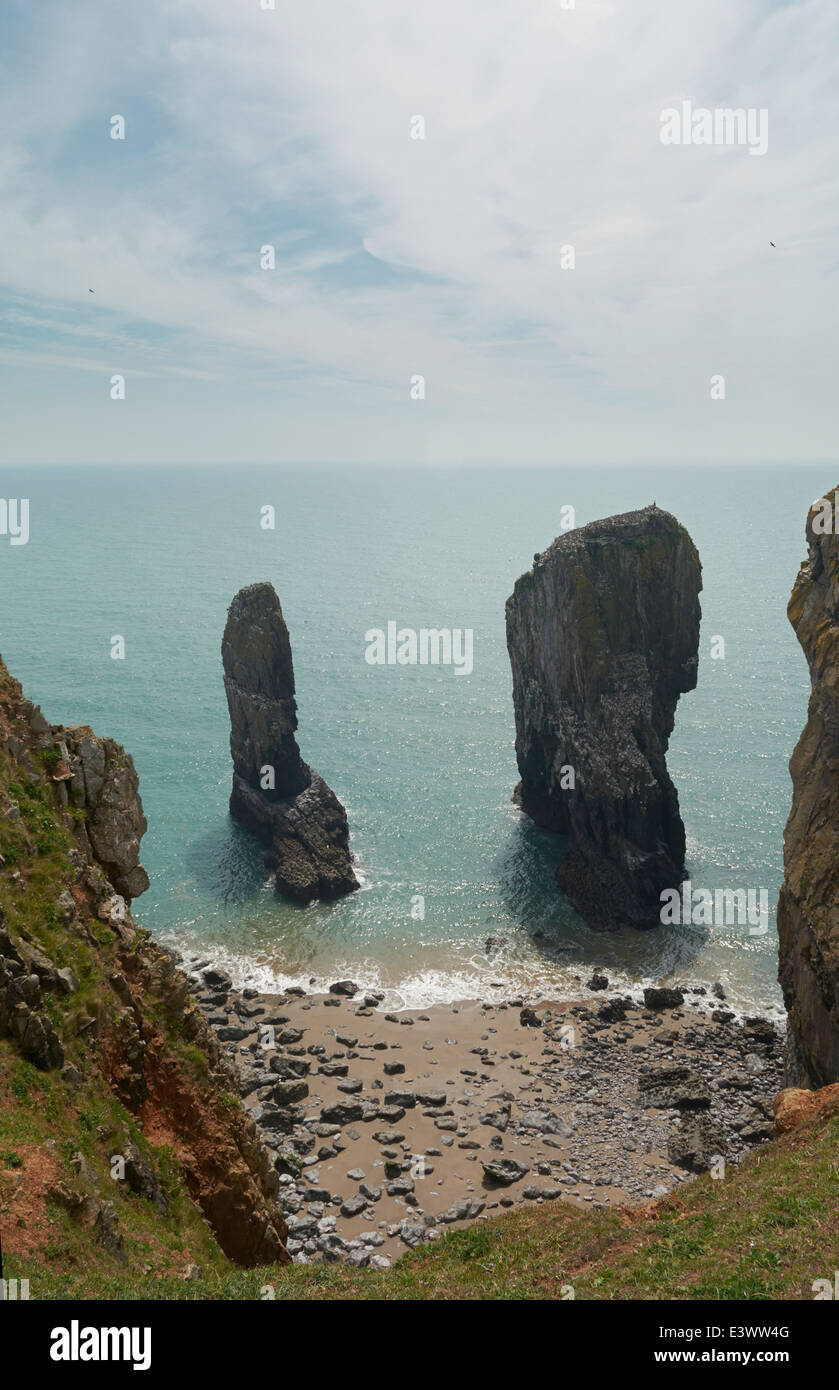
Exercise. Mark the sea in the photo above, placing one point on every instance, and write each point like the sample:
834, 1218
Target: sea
422, 757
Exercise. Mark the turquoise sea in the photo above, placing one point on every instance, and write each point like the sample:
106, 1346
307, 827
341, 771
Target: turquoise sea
423, 759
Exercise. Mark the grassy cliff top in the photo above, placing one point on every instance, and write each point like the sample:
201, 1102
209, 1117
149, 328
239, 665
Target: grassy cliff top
765, 1231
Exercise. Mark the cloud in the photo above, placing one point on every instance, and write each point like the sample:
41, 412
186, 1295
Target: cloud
440, 256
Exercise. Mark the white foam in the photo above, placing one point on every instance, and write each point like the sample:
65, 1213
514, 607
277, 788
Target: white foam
489, 981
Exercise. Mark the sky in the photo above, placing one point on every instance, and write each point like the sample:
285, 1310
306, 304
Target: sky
399, 257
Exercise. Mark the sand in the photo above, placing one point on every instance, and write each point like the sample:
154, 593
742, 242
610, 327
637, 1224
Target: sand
561, 1099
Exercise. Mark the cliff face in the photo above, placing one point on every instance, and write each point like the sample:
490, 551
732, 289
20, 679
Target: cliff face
603, 637
275, 794
93, 776
104, 1016
104, 785
808, 910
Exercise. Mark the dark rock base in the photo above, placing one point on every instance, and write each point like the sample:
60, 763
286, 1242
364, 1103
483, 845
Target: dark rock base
307, 839
610, 895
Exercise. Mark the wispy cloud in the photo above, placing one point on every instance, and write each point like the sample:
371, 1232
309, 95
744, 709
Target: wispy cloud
441, 256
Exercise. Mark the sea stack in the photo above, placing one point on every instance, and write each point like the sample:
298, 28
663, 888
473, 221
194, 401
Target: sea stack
603, 636
275, 794
808, 910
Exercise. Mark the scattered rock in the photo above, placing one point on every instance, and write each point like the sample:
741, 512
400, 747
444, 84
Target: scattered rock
673, 1087
504, 1171
696, 1142
528, 1018
660, 997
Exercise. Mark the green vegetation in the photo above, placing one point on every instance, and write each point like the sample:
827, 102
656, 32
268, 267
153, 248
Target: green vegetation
44, 1124
47, 1124
766, 1231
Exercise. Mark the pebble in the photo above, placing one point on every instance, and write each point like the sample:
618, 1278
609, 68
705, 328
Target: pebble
598, 1115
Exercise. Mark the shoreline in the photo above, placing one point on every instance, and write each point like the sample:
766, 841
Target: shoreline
389, 1127
561, 980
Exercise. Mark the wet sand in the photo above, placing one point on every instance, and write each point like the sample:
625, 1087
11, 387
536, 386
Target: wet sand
381, 1124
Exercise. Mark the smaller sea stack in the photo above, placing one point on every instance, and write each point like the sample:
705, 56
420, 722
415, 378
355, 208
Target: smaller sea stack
603, 635
275, 794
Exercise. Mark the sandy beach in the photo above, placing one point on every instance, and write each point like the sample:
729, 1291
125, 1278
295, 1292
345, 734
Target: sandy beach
387, 1129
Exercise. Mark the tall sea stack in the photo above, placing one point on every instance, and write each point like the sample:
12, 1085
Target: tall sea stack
808, 910
275, 794
603, 636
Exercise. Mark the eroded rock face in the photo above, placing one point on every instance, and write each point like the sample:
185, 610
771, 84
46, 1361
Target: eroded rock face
139, 1037
299, 818
603, 637
95, 776
105, 785
808, 909
22, 1012
794, 1107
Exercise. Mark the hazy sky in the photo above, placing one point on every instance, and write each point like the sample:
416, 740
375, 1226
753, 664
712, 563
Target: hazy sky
396, 256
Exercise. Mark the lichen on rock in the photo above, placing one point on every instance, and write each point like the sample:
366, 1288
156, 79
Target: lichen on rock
603, 637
